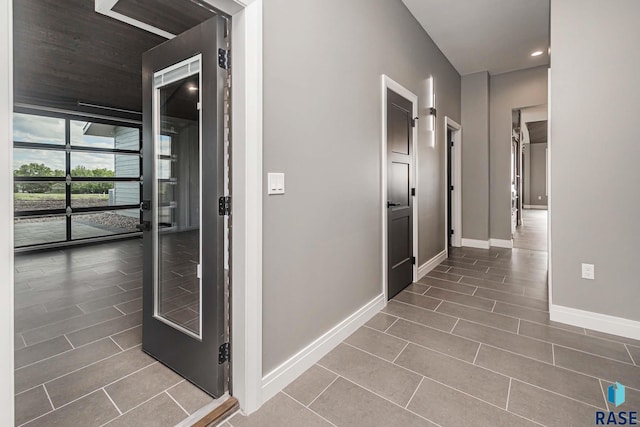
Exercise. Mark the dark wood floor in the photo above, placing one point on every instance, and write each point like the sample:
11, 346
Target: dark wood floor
78, 350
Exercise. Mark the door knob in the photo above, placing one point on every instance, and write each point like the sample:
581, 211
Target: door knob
392, 204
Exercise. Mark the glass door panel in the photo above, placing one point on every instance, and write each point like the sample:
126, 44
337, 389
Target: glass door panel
177, 198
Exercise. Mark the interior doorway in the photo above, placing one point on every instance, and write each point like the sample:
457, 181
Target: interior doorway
529, 178
399, 192
453, 153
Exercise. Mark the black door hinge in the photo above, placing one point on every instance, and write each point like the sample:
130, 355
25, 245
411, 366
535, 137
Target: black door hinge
413, 191
224, 58
413, 121
451, 144
413, 260
433, 111
224, 206
451, 232
451, 188
224, 353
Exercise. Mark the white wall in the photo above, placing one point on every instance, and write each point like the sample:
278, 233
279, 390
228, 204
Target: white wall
6, 217
595, 105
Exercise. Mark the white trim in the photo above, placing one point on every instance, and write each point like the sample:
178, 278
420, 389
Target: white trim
541, 207
388, 83
595, 321
431, 264
246, 201
549, 245
501, 243
283, 375
473, 243
6, 214
456, 181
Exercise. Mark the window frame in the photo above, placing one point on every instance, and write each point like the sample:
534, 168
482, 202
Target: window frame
68, 179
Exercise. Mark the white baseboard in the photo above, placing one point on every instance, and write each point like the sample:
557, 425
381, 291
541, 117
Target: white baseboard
543, 207
431, 264
596, 321
472, 243
501, 243
283, 375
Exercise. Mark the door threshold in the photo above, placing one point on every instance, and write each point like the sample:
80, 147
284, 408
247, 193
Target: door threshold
212, 414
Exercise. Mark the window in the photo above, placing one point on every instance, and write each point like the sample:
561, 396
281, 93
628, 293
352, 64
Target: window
74, 178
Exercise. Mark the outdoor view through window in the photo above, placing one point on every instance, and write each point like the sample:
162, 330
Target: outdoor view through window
74, 179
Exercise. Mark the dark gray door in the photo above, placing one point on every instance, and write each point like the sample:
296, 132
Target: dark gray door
399, 198
183, 278
449, 186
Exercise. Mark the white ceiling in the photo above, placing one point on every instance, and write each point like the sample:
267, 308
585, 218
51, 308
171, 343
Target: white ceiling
486, 35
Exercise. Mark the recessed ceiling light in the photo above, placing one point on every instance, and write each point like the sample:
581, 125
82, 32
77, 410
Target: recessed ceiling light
537, 53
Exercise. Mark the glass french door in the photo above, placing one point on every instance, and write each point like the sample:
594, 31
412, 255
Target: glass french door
183, 289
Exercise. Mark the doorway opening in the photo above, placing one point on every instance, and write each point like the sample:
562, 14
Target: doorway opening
529, 178
453, 188
78, 310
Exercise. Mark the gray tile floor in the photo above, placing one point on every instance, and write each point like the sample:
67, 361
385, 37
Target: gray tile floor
532, 234
78, 350
470, 344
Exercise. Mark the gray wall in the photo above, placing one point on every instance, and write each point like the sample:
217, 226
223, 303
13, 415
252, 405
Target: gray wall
538, 174
322, 122
594, 152
508, 91
475, 156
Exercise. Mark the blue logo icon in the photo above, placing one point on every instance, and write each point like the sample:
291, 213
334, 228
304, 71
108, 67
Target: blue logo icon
616, 394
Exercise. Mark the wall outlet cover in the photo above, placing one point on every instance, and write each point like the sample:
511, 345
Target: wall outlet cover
588, 271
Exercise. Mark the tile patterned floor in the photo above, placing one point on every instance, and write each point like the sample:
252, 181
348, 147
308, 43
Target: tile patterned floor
78, 350
532, 234
470, 344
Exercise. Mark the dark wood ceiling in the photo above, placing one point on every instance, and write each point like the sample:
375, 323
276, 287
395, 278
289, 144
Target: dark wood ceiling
173, 16
65, 52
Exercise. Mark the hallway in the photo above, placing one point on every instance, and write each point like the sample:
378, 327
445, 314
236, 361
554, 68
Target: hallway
532, 234
470, 344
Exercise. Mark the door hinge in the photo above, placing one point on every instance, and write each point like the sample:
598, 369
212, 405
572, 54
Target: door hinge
451, 188
451, 232
224, 58
433, 111
413, 191
224, 206
451, 144
224, 353
413, 121
413, 260
145, 205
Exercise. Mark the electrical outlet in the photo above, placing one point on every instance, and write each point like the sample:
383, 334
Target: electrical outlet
588, 271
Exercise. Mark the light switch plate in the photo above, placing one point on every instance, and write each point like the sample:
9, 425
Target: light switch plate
275, 183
